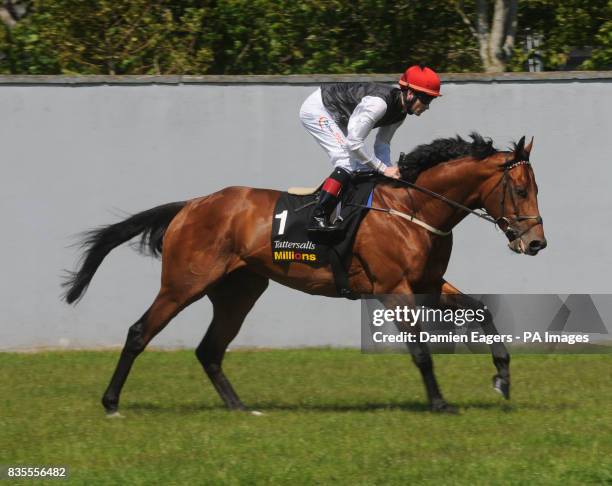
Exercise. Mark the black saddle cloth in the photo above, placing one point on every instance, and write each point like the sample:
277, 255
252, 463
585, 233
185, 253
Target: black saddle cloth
291, 242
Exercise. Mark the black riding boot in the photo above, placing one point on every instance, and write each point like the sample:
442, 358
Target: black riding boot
320, 218
328, 199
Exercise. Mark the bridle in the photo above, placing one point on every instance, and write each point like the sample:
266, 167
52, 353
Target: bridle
504, 223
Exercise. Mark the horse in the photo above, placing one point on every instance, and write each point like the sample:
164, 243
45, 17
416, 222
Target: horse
219, 246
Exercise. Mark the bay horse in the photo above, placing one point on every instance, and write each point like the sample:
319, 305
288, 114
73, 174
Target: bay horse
220, 246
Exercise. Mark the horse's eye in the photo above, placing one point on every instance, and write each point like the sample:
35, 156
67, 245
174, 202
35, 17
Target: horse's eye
521, 192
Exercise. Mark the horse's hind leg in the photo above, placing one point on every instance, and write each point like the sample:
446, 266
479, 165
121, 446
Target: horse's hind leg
232, 300
166, 305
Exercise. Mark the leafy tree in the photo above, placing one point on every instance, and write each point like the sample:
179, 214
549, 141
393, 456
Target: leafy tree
564, 26
293, 36
13, 10
494, 27
602, 55
107, 37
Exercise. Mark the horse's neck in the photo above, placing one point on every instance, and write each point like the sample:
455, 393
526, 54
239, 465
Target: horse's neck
458, 180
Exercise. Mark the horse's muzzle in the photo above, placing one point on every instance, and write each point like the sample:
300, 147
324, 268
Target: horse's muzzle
531, 247
535, 246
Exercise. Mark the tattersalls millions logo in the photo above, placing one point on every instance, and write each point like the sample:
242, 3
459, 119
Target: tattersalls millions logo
291, 251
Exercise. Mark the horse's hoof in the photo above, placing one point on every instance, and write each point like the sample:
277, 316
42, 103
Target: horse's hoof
256, 413
111, 405
114, 415
502, 386
441, 406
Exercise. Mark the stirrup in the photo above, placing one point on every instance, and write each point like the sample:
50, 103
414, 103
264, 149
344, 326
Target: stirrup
321, 224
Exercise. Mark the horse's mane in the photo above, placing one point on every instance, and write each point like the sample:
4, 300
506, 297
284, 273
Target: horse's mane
442, 150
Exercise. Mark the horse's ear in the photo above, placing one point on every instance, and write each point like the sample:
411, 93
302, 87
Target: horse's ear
528, 147
518, 149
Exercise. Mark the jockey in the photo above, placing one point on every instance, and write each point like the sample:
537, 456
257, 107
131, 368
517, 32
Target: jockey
341, 115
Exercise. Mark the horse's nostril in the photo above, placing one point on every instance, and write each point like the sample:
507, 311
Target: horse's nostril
537, 245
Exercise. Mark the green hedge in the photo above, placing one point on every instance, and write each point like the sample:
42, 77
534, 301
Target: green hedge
280, 37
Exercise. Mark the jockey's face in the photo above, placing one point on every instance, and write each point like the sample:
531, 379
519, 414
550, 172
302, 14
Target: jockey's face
418, 102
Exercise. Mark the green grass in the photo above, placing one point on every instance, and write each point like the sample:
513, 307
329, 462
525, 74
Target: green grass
330, 416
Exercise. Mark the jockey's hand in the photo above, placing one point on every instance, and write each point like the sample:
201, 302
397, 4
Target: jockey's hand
392, 172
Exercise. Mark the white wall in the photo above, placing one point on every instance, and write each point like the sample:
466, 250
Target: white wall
77, 156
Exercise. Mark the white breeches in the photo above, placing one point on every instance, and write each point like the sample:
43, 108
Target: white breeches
320, 124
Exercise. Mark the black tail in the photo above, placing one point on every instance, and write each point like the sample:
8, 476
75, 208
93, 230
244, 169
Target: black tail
100, 241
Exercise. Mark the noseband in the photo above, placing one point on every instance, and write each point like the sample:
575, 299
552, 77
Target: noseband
504, 223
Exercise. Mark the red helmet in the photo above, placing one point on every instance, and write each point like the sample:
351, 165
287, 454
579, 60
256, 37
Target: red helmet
421, 79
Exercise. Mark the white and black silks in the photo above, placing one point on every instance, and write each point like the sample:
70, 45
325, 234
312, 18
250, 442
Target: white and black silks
340, 116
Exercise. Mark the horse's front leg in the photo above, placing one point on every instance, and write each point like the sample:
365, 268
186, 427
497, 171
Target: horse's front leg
421, 356
452, 298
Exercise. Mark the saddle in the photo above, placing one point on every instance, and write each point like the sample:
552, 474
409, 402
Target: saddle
291, 243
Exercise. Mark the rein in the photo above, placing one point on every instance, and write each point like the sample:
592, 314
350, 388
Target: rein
510, 232
484, 216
